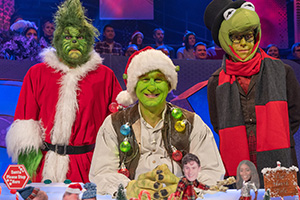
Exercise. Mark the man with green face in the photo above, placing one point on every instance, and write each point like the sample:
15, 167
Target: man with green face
63, 102
254, 99
146, 141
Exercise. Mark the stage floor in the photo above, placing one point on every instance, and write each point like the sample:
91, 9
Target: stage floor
55, 191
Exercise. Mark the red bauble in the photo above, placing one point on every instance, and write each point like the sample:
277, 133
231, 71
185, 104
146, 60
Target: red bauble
13, 191
124, 171
113, 107
177, 155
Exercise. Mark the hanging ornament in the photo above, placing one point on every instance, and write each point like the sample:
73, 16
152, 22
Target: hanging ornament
180, 126
113, 107
176, 113
13, 191
125, 129
123, 170
176, 155
125, 145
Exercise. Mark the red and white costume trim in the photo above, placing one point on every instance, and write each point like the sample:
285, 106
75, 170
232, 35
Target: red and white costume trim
64, 106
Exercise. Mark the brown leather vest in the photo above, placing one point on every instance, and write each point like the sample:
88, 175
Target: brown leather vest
169, 135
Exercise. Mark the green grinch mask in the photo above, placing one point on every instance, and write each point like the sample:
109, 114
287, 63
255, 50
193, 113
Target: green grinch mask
238, 23
74, 47
152, 90
74, 34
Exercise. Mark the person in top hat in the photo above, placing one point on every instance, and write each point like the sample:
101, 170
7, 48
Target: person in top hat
136, 140
254, 99
32, 193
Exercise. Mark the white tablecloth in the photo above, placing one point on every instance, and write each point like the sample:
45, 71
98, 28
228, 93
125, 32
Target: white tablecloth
55, 191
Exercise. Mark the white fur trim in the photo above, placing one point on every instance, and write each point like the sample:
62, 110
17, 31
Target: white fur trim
50, 57
56, 166
24, 136
147, 61
125, 99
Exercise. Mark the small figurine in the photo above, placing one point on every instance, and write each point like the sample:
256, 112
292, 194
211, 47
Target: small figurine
33, 193
91, 191
247, 179
191, 168
72, 192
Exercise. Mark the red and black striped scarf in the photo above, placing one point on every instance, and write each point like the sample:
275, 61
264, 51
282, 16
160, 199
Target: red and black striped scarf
272, 121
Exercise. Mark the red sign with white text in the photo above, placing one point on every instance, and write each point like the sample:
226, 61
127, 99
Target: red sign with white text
15, 177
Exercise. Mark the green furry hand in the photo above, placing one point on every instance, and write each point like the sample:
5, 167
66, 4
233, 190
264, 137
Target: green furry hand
31, 161
160, 183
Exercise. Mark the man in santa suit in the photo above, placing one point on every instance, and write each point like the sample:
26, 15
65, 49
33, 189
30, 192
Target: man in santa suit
63, 102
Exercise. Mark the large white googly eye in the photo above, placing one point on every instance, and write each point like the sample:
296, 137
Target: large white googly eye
228, 13
248, 5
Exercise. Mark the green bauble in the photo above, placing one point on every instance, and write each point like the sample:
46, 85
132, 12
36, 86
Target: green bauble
125, 146
176, 113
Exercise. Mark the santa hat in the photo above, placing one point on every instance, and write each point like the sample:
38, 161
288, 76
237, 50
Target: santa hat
91, 191
28, 193
140, 63
74, 188
135, 33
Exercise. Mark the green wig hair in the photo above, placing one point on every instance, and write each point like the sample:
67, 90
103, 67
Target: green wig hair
71, 13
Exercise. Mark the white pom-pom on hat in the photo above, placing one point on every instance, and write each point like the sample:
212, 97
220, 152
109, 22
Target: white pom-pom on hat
140, 63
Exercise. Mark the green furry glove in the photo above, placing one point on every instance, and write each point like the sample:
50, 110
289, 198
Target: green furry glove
154, 182
31, 161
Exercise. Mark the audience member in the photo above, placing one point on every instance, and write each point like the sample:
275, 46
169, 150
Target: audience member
200, 51
187, 52
109, 46
32, 193
31, 33
164, 49
215, 52
296, 52
272, 50
159, 35
48, 30
24, 42
72, 192
137, 39
131, 49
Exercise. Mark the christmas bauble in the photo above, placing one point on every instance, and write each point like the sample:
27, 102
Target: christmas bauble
125, 129
125, 146
177, 155
176, 113
113, 107
179, 126
124, 171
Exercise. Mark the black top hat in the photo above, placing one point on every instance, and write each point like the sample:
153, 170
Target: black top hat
213, 16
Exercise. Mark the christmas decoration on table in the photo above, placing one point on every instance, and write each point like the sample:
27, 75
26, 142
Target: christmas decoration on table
74, 188
90, 191
186, 186
220, 186
267, 195
121, 194
247, 179
281, 181
30, 193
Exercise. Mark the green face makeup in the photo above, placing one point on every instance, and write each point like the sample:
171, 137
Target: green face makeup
242, 21
152, 90
74, 49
